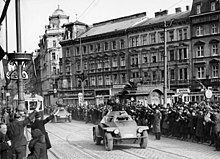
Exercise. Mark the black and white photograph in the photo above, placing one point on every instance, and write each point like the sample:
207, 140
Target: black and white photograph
109, 79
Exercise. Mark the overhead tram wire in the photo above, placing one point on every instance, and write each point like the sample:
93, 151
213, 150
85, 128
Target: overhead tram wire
86, 9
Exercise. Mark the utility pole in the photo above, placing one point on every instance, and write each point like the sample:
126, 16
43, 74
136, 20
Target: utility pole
82, 69
165, 65
19, 50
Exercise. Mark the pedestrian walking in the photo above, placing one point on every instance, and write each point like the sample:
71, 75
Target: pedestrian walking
16, 133
5, 143
37, 146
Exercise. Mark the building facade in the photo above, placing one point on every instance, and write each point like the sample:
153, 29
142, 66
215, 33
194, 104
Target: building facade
50, 54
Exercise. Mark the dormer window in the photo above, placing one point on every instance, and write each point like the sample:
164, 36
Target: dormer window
213, 8
198, 8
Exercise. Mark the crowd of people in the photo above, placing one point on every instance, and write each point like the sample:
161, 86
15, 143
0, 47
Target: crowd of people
13, 141
198, 122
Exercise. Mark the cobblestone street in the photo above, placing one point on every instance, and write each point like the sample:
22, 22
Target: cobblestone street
74, 140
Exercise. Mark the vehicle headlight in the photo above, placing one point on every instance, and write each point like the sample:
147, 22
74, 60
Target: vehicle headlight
116, 131
140, 130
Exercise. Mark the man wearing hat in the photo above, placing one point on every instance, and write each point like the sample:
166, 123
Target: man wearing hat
40, 124
16, 133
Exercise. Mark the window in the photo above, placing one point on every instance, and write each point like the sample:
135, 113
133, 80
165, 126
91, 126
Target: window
213, 6
198, 8
100, 80
199, 31
92, 81
152, 38
98, 48
113, 45
54, 43
123, 78
170, 35
184, 33
84, 49
134, 60
77, 51
67, 52
122, 43
134, 41
214, 49
145, 58
213, 29
99, 64
115, 79
215, 71
53, 56
172, 56
115, 62
91, 48
200, 72
92, 65
106, 63
154, 75
144, 39
85, 65
78, 66
182, 53
54, 70
135, 74
180, 34
106, 46
200, 51
161, 37
107, 80
172, 74
183, 74
68, 69
122, 61
154, 59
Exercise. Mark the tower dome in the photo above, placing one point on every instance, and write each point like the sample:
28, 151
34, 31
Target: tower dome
58, 11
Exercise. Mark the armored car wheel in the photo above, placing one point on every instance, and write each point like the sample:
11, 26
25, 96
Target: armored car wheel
108, 141
96, 139
144, 140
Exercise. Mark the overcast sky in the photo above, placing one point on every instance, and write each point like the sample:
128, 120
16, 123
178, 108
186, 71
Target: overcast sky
35, 14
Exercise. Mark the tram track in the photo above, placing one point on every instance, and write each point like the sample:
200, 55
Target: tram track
95, 155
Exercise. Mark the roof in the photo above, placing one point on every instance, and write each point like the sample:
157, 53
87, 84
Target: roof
175, 16
114, 25
58, 11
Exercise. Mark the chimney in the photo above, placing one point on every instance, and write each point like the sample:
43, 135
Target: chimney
161, 13
157, 14
164, 12
187, 8
178, 10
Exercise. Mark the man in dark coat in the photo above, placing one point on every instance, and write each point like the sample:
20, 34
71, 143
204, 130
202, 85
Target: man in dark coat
5, 143
37, 146
16, 133
156, 123
40, 124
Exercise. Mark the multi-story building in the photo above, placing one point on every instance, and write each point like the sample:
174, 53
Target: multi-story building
128, 48
205, 36
50, 53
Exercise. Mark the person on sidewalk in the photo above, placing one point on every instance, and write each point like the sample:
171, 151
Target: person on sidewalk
40, 124
37, 145
5, 143
156, 123
16, 133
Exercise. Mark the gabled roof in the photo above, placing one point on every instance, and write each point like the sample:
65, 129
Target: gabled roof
113, 25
